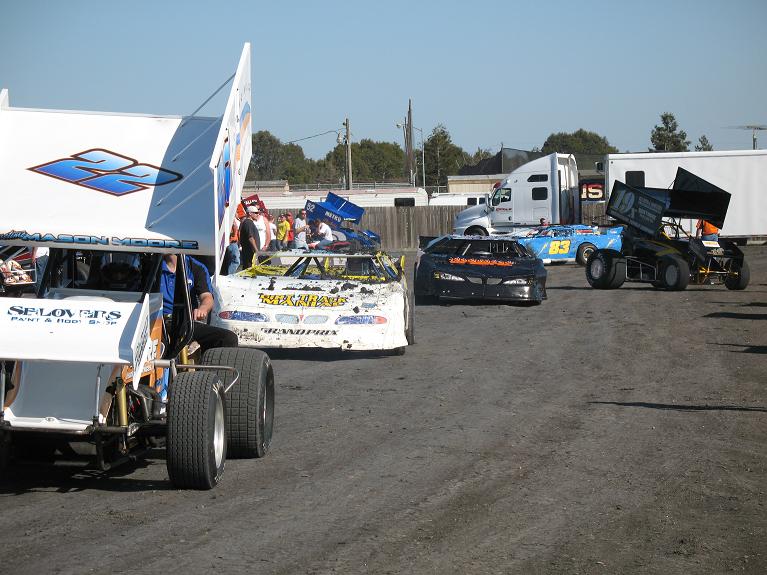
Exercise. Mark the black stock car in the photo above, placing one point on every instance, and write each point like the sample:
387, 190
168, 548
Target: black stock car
655, 247
494, 268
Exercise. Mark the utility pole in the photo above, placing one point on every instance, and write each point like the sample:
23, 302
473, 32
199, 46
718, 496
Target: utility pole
348, 155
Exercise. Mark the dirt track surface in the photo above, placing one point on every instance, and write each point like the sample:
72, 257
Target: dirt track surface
601, 432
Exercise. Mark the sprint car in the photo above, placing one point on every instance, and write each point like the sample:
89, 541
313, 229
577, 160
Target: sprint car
319, 299
657, 249
569, 243
493, 268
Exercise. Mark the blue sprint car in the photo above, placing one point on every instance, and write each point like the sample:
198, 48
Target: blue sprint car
569, 243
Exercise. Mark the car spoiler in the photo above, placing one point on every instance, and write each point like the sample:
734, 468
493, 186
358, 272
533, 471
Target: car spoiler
424, 241
690, 197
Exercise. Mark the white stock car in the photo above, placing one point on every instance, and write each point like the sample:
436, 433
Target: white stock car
318, 299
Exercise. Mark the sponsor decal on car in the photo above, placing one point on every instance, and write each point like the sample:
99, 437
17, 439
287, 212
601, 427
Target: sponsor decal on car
298, 331
87, 240
479, 262
302, 300
63, 315
106, 171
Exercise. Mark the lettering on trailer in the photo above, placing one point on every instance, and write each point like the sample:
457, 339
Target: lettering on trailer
22, 313
300, 331
107, 172
88, 240
303, 300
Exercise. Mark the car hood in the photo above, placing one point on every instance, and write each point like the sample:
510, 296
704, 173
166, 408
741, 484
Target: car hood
273, 291
485, 267
471, 213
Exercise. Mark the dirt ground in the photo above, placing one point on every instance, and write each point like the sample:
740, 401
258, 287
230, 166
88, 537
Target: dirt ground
601, 432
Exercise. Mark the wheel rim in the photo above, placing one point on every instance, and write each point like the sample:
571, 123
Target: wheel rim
671, 276
587, 253
219, 432
597, 268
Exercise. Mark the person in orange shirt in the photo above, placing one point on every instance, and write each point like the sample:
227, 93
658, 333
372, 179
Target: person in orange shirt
706, 231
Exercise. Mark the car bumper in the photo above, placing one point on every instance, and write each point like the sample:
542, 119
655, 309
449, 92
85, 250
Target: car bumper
498, 292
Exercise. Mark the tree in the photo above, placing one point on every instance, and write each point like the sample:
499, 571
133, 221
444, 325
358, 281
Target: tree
703, 145
667, 137
371, 161
579, 142
267, 156
443, 157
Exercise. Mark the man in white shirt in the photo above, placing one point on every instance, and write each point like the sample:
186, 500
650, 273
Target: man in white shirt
300, 228
322, 232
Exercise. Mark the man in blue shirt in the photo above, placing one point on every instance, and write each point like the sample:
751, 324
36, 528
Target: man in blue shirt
200, 294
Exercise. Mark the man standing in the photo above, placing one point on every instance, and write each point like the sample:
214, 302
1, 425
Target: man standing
250, 241
706, 231
300, 228
198, 282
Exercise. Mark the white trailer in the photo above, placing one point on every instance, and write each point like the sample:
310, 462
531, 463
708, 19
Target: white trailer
545, 188
742, 173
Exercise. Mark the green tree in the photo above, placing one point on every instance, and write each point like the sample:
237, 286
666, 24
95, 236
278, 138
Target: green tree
579, 142
267, 156
668, 137
703, 145
371, 161
443, 157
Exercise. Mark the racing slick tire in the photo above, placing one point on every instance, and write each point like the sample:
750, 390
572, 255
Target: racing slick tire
475, 231
741, 280
249, 402
410, 325
584, 251
674, 272
196, 451
5, 454
601, 269
420, 297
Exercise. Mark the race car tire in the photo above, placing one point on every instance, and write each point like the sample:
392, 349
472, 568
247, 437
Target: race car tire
674, 272
5, 454
619, 273
583, 253
196, 451
601, 269
475, 231
410, 325
741, 280
249, 402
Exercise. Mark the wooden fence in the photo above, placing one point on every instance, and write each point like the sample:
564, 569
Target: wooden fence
399, 228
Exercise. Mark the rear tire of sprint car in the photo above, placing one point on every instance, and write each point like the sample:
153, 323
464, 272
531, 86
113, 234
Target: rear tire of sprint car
741, 280
196, 452
584, 251
249, 402
674, 272
601, 269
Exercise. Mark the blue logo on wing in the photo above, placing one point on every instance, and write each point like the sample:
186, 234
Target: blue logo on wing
107, 172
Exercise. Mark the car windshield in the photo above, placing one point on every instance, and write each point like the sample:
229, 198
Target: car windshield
478, 248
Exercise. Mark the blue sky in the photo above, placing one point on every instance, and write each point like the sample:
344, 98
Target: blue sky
492, 72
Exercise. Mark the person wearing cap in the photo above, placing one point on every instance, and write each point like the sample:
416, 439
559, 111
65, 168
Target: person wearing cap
250, 241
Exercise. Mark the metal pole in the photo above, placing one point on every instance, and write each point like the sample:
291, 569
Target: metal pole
423, 159
348, 155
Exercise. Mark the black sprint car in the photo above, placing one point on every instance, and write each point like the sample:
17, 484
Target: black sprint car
491, 268
656, 249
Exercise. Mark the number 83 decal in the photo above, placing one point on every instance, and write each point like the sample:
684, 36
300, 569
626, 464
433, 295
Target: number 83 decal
559, 247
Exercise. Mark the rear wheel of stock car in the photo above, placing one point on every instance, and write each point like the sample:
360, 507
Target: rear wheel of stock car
584, 251
475, 231
249, 402
739, 276
674, 273
196, 452
601, 269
